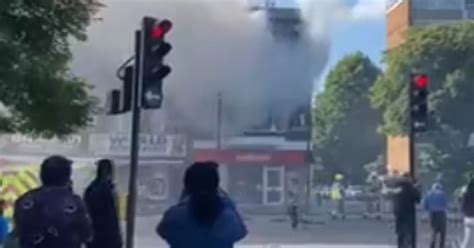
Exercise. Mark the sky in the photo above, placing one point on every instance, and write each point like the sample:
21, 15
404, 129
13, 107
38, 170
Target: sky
365, 32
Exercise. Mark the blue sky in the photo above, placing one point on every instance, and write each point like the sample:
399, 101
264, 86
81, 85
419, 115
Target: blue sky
364, 34
367, 36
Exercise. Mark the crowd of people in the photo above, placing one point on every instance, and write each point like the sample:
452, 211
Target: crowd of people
436, 204
405, 194
54, 216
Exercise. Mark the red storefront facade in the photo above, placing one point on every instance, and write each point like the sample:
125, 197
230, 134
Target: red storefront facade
259, 177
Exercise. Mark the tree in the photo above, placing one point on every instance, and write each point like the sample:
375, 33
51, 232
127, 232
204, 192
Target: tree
446, 54
345, 135
38, 93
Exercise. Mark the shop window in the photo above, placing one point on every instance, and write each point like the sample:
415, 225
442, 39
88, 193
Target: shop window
245, 184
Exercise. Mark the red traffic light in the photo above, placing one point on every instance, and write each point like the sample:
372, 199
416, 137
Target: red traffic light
421, 81
161, 29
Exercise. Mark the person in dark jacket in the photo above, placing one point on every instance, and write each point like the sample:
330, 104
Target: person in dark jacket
205, 217
436, 203
52, 216
101, 200
468, 211
405, 201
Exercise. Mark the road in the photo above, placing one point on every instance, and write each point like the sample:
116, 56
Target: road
267, 230
355, 232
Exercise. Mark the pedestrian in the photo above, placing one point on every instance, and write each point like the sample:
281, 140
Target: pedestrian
436, 203
102, 202
294, 201
4, 228
468, 211
373, 188
406, 198
319, 195
205, 217
71, 186
52, 216
337, 196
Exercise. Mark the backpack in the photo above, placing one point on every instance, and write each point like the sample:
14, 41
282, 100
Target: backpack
43, 218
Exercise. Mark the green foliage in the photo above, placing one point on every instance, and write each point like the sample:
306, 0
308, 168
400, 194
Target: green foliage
445, 53
38, 93
344, 123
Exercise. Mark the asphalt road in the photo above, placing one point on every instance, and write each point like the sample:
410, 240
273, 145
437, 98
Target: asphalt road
320, 231
276, 230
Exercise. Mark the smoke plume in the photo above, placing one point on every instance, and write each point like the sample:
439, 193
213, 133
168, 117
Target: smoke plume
218, 46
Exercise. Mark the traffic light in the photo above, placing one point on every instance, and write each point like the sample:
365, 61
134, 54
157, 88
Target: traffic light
119, 101
419, 102
154, 49
127, 89
112, 104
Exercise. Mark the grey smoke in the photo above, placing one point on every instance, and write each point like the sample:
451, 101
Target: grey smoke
218, 46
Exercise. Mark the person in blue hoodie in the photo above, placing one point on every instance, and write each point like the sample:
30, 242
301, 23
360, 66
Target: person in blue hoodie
436, 203
205, 217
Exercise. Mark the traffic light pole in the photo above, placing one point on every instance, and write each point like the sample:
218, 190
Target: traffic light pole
135, 145
219, 121
150, 48
411, 154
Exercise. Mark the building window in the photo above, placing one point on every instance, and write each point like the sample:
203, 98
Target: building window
469, 9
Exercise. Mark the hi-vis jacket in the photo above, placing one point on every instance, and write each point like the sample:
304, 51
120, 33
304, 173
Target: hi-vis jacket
337, 192
14, 182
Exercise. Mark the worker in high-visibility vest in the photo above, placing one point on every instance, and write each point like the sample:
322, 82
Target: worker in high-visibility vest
337, 196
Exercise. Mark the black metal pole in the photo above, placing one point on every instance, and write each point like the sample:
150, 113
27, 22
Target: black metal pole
219, 121
134, 147
411, 153
310, 163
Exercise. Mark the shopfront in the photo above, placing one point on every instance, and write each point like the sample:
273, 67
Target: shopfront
162, 161
258, 178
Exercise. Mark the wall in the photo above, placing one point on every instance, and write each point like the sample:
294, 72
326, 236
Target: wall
398, 21
398, 154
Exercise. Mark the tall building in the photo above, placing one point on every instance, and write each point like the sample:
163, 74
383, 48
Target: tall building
402, 14
284, 17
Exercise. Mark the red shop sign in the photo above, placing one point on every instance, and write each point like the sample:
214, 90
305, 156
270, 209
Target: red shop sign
231, 156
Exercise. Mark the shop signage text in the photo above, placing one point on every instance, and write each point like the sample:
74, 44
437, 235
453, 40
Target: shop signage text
249, 157
166, 145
